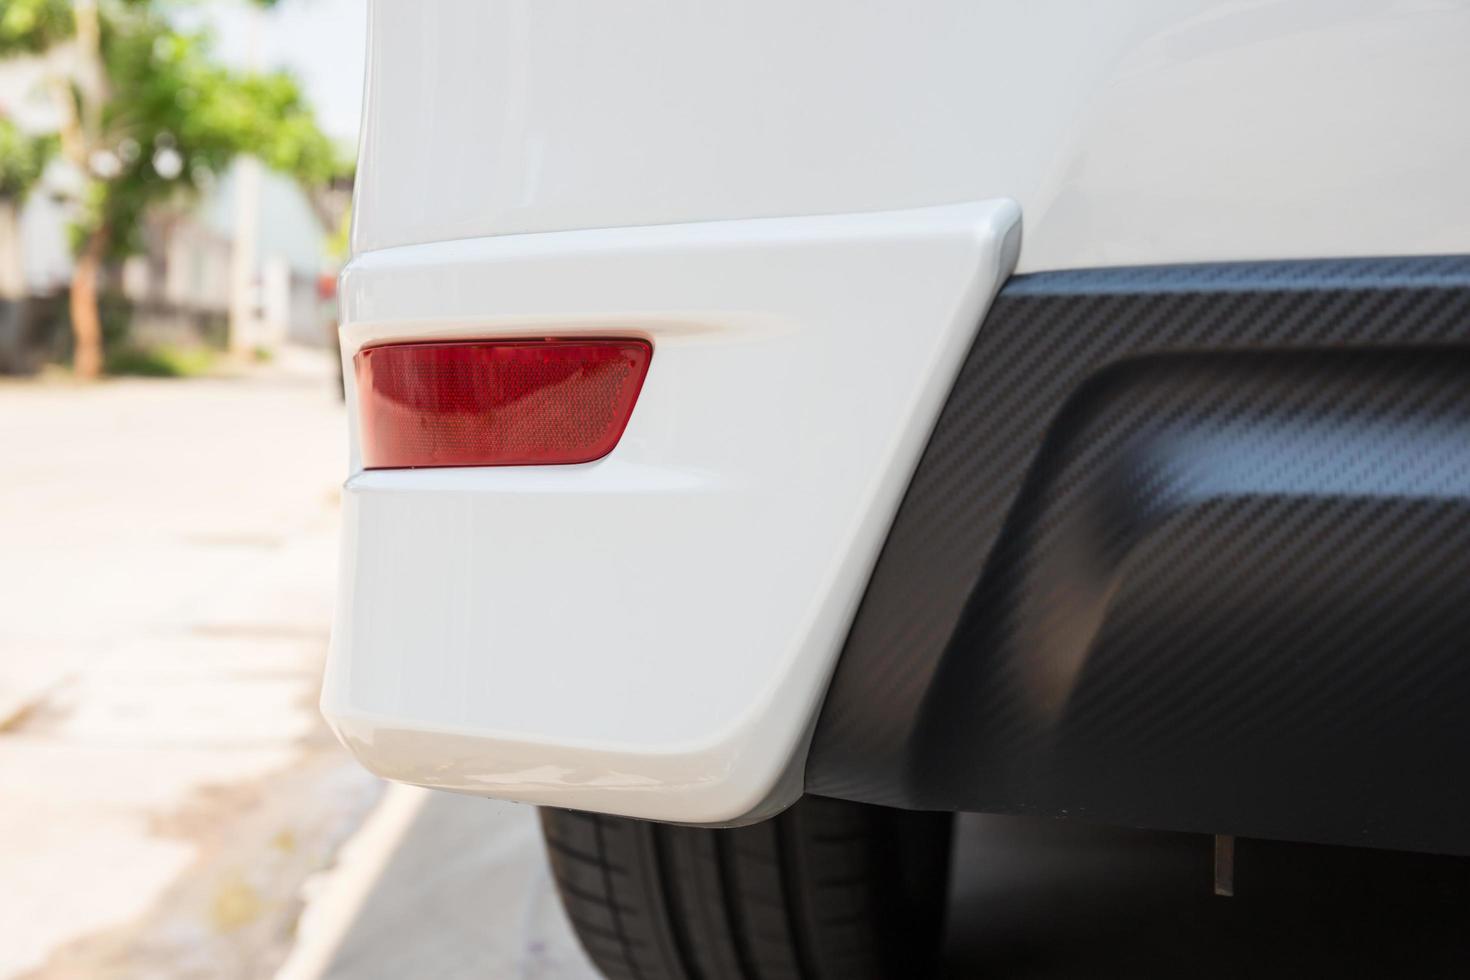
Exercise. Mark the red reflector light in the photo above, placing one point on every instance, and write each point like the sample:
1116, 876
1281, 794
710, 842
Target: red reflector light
496, 403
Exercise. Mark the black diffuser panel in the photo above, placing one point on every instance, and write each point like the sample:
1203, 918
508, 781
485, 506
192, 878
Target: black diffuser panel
1189, 548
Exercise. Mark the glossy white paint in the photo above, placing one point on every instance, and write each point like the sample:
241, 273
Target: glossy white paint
1130, 132
651, 634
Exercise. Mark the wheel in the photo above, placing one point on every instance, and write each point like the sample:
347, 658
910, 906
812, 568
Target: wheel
825, 889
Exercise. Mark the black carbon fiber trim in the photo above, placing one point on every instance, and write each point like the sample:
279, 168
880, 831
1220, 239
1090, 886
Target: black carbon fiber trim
1189, 548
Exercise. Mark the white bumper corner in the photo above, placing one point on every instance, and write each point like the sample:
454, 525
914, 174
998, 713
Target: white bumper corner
651, 634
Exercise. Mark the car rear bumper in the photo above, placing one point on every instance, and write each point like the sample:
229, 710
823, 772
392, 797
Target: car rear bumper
1188, 547
651, 634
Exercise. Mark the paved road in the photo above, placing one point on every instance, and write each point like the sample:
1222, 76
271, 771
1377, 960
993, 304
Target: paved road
440, 886
167, 553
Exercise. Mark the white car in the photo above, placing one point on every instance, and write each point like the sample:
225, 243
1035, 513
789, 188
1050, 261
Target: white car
779, 426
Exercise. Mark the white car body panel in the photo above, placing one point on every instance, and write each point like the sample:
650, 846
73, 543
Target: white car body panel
651, 634
1130, 132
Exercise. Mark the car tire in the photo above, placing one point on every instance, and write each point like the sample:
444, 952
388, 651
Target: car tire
825, 889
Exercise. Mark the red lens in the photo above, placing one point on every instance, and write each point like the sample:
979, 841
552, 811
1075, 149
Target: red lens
496, 403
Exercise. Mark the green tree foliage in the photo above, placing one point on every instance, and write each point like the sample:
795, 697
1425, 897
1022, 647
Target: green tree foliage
150, 117
32, 26
174, 119
22, 158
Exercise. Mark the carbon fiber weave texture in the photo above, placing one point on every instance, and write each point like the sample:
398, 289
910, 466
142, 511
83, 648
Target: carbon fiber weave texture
1243, 527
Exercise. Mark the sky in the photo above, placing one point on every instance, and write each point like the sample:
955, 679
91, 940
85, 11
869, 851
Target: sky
321, 42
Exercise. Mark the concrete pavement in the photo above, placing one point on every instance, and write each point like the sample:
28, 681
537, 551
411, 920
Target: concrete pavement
440, 886
167, 561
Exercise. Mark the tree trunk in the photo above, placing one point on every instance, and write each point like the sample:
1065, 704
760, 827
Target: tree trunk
12, 272
86, 321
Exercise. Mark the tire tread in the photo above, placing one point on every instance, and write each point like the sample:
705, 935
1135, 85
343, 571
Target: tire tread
814, 892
